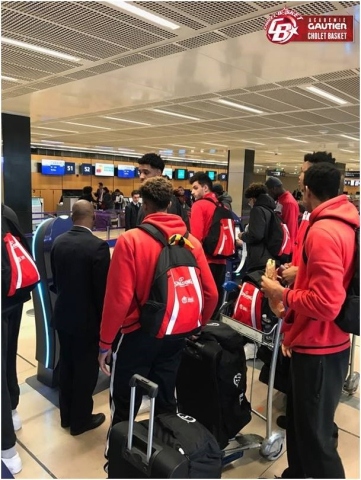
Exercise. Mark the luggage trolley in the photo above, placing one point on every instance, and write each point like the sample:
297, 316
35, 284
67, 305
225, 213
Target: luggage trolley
353, 379
272, 444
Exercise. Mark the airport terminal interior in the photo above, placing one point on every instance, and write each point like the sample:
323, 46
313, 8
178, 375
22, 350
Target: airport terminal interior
198, 82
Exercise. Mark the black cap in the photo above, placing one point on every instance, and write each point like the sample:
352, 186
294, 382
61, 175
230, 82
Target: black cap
273, 182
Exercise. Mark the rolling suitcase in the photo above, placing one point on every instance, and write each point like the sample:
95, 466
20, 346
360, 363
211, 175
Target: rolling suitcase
211, 382
133, 453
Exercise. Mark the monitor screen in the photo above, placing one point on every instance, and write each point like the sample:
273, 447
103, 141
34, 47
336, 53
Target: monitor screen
191, 173
126, 171
168, 171
86, 169
212, 174
69, 168
104, 169
222, 177
52, 167
180, 174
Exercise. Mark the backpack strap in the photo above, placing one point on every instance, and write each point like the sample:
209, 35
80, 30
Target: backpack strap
217, 203
154, 232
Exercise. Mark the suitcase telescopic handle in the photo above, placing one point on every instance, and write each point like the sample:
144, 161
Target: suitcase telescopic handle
152, 390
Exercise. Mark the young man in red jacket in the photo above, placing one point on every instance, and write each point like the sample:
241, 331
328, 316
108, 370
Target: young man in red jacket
318, 348
201, 221
128, 286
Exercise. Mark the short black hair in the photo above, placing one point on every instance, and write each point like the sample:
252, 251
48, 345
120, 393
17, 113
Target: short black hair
135, 192
318, 157
323, 180
203, 179
152, 159
100, 183
158, 191
255, 190
87, 189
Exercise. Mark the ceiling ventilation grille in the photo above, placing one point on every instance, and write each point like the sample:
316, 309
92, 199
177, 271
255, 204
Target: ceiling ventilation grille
325, 77
204, 39
349, 4
265, 5
160, 9
315, 8
164, 50
131, 60
296, 81
349, 86
214, 12
261, 88
243, 28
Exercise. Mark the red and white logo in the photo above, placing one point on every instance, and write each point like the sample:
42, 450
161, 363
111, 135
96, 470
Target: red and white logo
288, 25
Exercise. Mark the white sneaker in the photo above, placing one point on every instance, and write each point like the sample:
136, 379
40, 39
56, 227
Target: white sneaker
145, 406
250, 349
16, 420
14, 464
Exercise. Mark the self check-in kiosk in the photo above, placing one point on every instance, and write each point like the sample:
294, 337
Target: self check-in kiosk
47, 345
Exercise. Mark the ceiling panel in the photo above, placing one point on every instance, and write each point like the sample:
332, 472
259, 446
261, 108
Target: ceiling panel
214, 12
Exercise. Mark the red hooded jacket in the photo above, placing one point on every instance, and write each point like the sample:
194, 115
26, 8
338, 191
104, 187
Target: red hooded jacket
132, 270
320, 286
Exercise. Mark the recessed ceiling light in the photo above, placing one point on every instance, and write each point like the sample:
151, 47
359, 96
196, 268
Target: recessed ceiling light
296, 140
144, 14
329, 96
56, 129
35, 48
237, 105
174, 114
351, 138
344, 150
85, 125
255, 143
10, 79
127, 121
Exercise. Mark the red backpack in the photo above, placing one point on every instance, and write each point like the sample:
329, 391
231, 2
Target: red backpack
220, 241
251, 303
175, 303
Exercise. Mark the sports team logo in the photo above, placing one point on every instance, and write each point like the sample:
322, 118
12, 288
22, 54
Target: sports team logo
288, 25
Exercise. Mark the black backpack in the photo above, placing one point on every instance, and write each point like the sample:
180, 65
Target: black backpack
220, 241
349, 317
183, 433
278, 240
176, 301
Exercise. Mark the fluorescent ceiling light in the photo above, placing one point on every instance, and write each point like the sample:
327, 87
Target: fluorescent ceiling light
144, 14
128, 121
36, 134
182, 146
10, 79
215, 144
329, 96
174, 114
255, 143
126, 149
237, 105
344, 150
56, 129
257, 165
99, 147
85, 125
305, 151
296, 140
54, 142
35, 48
351, 138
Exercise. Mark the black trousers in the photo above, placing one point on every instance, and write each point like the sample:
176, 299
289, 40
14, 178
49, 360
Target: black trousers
10, 392
78, 375
219, 275
156, 359
316, 383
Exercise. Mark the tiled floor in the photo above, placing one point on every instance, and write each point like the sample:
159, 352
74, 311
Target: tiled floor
48, 451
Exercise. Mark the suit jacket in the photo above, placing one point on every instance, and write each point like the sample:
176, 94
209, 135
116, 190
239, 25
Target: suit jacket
131, 215
79, 264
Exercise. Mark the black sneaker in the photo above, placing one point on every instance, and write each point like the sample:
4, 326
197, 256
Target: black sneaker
96, 420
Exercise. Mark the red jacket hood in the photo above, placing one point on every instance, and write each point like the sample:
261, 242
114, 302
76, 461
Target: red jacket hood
337, 208
167, 223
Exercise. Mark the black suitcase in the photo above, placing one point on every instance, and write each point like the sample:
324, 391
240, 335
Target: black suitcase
133, 453
211, 382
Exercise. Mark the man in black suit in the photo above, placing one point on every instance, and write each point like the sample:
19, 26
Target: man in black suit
79, 263
132, 210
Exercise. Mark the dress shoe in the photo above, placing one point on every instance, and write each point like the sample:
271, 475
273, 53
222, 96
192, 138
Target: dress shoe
64, 424
95, 421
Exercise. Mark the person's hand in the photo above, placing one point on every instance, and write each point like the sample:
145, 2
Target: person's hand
286, 351
103, 359
239, 242
289, 274
271, 288
240, 235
